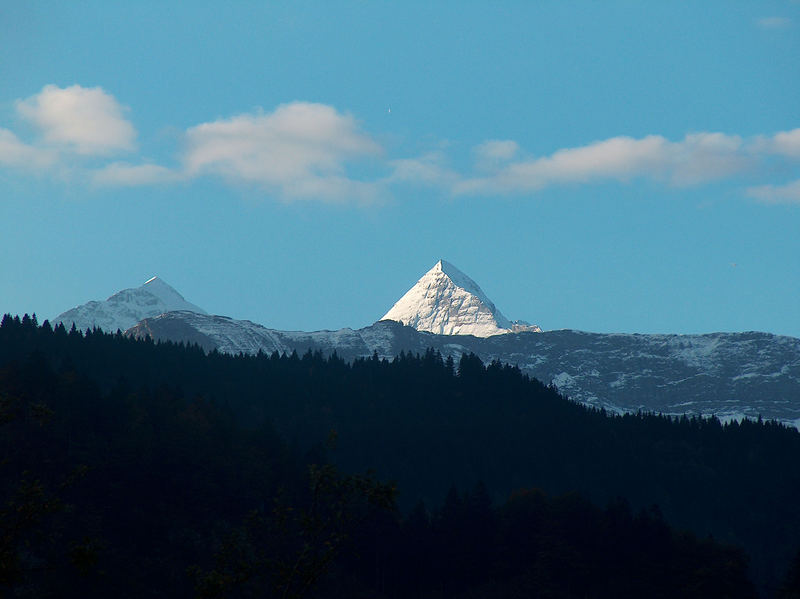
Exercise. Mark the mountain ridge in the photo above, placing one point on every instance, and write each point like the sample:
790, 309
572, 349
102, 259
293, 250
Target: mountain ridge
730, 375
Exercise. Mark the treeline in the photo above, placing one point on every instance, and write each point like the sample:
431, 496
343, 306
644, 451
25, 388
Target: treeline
134, 458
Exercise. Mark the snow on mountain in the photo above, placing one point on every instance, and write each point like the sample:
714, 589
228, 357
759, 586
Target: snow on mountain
127, 307
445, 301
730, 375
727, 374
231, 336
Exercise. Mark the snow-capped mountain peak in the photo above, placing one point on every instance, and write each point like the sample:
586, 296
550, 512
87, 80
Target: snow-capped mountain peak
445, 301
127, 307
464, 282
167, 294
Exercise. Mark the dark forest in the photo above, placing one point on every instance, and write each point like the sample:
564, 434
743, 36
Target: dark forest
135, 469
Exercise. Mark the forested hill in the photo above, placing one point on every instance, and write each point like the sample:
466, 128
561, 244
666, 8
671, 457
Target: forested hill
161, 451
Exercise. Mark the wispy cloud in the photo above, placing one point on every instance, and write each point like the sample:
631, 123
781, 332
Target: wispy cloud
776, 194
84, 120
696, 159
619, 157
428, 169
774, 22
299, 150
495, 151
18, 154
124, 174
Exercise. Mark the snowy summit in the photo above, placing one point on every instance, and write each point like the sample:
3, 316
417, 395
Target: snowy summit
445, 301
127, 307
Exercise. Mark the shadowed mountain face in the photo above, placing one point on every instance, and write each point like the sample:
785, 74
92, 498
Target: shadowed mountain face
727, 374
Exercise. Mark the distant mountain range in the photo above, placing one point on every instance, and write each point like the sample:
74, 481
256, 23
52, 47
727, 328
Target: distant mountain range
731, 375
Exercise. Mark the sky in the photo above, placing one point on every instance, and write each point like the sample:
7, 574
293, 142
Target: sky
602, 166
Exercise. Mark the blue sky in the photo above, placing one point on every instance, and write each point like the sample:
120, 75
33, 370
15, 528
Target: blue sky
613, 167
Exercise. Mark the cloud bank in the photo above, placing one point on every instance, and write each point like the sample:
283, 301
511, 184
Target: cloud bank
698, 158
305, 151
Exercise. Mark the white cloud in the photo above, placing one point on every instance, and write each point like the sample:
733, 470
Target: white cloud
308, 151
774, 22
702, 157
123, 174
300, 149
618, 157
776, 194
428, 169
84, 120
496, 150
785, 143
15, 153
699, 157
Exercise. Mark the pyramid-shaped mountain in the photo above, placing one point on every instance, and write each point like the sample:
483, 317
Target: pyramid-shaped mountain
127, 307
445, 301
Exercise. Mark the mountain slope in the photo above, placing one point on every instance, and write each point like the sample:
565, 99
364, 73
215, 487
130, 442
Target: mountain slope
127, 307
445, 301
727, 374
